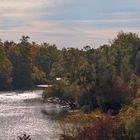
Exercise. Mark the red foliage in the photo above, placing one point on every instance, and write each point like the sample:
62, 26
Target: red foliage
102, 130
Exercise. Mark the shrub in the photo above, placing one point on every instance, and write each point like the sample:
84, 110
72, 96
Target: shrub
103, 129
129, 127
131, 119
54, 91
60, 90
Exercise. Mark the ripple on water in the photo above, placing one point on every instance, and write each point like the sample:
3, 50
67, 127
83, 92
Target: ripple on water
21, 113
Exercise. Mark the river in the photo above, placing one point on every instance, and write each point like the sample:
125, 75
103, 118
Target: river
20, 112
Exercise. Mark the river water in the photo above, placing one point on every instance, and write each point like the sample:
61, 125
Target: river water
20, 112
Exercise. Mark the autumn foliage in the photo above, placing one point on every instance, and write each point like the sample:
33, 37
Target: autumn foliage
103, 129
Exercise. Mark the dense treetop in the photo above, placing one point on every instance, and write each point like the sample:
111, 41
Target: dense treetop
105, 74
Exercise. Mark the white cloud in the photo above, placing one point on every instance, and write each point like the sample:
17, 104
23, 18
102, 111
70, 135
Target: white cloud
25, 10
51, 31
27, 17
20, 4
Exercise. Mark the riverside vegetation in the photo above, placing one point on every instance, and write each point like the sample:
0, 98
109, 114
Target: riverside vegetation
105, 79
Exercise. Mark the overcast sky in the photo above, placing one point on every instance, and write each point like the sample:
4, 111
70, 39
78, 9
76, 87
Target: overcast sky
68, 23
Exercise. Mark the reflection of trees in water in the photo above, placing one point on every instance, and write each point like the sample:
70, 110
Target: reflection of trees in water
24, 137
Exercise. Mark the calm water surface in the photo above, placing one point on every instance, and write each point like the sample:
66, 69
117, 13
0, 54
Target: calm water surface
20, 112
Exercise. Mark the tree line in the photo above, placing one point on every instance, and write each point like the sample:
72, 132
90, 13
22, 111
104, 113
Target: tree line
24, 64
107, 76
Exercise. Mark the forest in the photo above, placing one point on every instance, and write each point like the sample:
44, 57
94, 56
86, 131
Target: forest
90, 76
107, 77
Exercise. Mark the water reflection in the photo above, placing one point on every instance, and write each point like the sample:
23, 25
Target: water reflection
21, 113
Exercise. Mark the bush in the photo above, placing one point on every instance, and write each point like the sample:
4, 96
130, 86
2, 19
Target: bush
131, 119
103, 129
54, 91
129, 127
60, 90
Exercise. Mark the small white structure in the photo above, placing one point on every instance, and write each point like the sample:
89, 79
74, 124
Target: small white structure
44, 86
58, 79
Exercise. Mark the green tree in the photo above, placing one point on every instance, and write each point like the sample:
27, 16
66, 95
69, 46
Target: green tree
45, 57
137, 63
22, 68
5, 70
